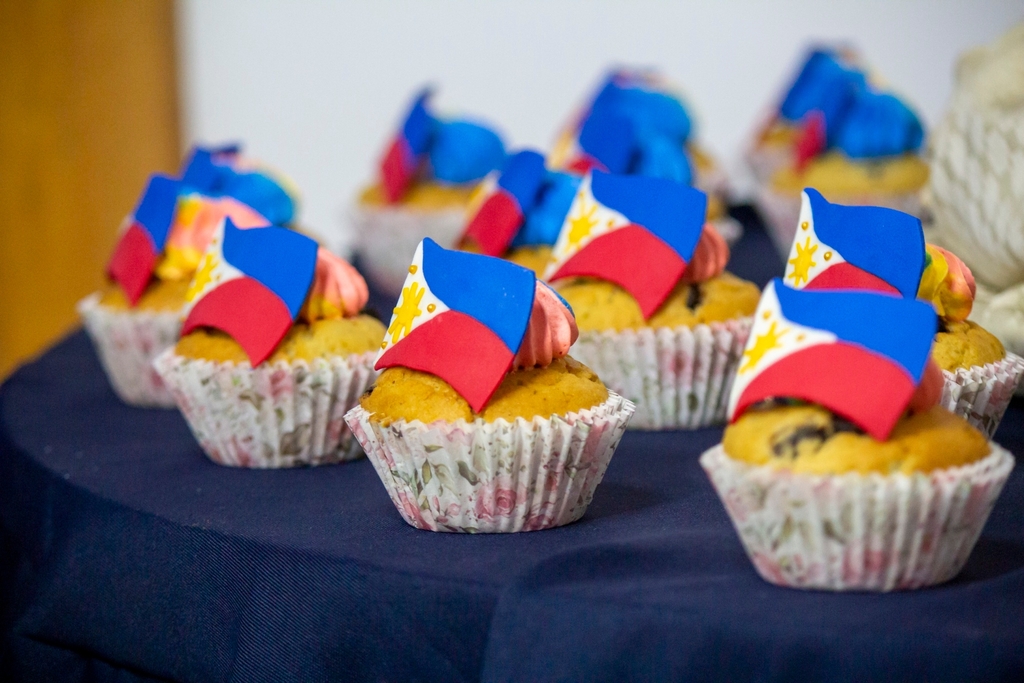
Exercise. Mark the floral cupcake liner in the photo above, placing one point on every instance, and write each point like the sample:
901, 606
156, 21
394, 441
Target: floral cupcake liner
386, 239
981, 393
858, 532
494, 477
274, 415
679, 378
781, 212
126, 342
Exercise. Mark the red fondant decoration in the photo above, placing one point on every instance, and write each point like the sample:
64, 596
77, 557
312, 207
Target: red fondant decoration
133, 262
812, 139
397, 170
458, 349
585, 163
633, 258
248, 311
848, 276
841, 377
495, 224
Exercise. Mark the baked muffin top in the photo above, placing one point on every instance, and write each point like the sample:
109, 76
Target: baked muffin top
425, 195
963, 344
564, 386
159, 296
304, 341
601, 305
811, 440
838, 176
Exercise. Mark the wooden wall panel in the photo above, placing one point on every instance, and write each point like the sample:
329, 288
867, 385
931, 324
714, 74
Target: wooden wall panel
88, 108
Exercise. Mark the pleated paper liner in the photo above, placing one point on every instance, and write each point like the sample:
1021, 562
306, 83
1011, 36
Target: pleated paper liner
386, 239
494, 477
126, 342
283, 414
679, 378
781, 211
981, 393
858, 532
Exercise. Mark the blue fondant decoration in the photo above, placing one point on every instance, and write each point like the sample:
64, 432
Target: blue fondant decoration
262, 193
522, 177
611, 139
419, 125
662, 157
463, 151
155, 210
282, 260
544, 221
498, 294
878, 124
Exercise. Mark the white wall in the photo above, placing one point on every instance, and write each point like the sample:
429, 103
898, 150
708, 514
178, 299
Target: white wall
314, 88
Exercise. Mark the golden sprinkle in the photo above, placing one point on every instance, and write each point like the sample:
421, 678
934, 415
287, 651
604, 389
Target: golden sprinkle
412, 269
766, 315
384, 345
431, 308
805, 225
828, 255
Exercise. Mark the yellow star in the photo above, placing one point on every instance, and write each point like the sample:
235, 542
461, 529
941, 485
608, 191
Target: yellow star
762, 345
803, 261
203, 277
582, 224
406, 312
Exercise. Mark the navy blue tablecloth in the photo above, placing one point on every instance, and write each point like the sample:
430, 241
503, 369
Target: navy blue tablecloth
126, 555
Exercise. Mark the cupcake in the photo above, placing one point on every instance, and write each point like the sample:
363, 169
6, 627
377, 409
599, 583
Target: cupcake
875, 248
425, 182
138, 314
853, 141
479, 422
660, 321
636, 123
273, 350
976, 183
838, 468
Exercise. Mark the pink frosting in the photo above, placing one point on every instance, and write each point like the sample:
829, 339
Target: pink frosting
193, 229
338, 289
709, 257
929, 390
552, 330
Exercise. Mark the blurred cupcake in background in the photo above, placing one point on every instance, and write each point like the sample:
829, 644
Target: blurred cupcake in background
660, 320
637, 124
274, 350
479, 421
880, 249
838, 468
977, 181
138, 314
838, 132
425, 180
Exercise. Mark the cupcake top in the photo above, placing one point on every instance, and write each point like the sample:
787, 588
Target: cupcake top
836, 107
634, 124
427, 148
468, 320
170, 227
253, 285
881, 249
862, 355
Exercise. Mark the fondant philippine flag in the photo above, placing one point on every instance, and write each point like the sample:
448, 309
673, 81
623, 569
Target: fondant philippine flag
251, 284
859, 354
140, 246
855, 247
407, 149
607, 142
461, 317
206, 165
635, 231
504, 202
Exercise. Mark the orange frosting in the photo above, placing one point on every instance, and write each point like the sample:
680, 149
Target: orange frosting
338, 290
948, 284
550, 333
929, 390
709, 257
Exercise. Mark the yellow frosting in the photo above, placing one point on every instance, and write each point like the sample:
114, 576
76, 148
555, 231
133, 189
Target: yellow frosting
159, 295
965, 344
810, 440
423, 195
322, 338
564, 386
838, 176
601, 305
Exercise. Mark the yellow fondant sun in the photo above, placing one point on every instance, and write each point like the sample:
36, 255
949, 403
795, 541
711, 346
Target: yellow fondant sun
582, 224
203, 277
762, 345
406, 312
803, 261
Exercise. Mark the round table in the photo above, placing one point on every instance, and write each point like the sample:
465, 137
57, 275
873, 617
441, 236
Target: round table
125, 554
